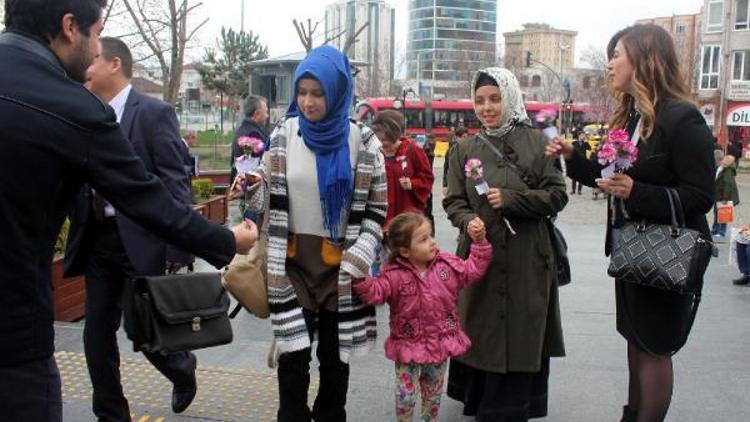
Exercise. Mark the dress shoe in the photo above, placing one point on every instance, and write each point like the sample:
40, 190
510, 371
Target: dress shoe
183, 395
742, 281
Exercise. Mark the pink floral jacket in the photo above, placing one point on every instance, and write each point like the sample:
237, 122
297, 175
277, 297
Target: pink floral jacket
424, 319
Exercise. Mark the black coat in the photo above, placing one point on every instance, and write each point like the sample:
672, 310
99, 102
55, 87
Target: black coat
56, 136
246, 128
678, 154
152, 128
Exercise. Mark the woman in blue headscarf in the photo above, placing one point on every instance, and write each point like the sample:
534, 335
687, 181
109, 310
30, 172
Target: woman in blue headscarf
327, 204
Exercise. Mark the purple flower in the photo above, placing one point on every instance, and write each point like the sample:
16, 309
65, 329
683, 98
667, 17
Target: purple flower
251, 146
473, 169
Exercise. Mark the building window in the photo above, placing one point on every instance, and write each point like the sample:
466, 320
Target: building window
741, 17
710, 65
715, 16
741, 67
524, 80
536, 81
586, 82
679, 28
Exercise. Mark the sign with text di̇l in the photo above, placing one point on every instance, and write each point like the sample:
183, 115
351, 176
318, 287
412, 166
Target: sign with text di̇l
739, 116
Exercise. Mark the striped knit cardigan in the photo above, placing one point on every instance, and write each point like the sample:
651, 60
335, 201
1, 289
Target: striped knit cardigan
356, 322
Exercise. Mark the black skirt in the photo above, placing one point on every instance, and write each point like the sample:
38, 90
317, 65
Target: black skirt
654, 320
490, 396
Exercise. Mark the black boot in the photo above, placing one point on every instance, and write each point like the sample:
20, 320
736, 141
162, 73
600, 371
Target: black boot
629, 414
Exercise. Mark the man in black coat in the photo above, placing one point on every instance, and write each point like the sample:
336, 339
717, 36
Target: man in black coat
581, 145
110, 249
256, 114
56, 136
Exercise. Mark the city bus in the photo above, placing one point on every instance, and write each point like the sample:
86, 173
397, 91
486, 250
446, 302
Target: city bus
439, 117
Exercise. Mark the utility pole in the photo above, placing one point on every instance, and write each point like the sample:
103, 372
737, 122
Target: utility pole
242, 16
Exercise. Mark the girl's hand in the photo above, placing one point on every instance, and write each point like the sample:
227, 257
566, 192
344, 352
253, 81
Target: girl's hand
478, 236
495, 198
619, 185
557, 147
474, 227
405, 183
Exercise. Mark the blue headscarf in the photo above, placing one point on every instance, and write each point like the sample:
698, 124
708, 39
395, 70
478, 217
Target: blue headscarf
329, 138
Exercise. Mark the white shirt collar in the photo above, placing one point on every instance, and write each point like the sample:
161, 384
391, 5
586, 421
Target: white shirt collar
119, 101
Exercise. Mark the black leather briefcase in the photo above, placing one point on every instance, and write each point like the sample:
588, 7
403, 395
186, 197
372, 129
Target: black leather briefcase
180, 312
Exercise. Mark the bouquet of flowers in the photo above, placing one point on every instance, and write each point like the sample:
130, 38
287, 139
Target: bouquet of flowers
474, 171
618, 153
252, 150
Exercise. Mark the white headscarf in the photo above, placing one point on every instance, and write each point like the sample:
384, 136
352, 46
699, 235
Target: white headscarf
511, 98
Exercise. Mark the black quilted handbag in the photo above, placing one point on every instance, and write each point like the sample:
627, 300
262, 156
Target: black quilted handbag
667, 257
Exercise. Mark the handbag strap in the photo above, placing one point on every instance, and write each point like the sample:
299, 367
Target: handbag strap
522, 173
675, 205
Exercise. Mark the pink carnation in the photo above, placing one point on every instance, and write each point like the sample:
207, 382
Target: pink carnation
473, 169
251, 145
618, 148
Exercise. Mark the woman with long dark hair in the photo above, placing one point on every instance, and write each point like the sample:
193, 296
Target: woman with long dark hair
674, 150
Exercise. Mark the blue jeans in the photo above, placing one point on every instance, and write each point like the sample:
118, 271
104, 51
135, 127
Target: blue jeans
31, 391
718, 229
743, 258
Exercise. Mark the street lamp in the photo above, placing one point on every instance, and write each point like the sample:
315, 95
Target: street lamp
563, 47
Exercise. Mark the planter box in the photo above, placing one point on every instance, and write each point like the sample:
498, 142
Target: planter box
218, 208
215, 208
201, 209
68, 294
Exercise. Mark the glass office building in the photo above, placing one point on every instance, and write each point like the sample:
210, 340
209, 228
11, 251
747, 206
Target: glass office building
449, 39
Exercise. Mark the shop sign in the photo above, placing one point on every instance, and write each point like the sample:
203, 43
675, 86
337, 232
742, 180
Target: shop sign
739, 90
739, 116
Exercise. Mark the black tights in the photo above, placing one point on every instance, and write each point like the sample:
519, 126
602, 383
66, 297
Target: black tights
649, 385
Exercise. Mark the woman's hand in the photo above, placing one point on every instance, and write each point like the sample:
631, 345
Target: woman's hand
557, 147
495, 198
476, 228
405, 183
241, 183
619, 185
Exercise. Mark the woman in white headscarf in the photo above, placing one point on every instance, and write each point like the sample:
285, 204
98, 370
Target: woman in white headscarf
513, 315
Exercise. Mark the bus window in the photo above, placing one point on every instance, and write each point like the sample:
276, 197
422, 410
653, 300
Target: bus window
414, 118
470, 120
365, 114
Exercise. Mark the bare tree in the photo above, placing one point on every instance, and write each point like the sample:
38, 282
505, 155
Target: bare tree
160, 31
601, 103
307, 35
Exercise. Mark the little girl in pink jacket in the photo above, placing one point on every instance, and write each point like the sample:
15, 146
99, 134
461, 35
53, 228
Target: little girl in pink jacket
421, 287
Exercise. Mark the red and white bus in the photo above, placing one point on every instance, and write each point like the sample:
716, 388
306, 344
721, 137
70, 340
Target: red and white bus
440, 117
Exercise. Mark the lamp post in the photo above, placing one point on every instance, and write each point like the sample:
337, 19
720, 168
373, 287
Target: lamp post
400, 103
561, 121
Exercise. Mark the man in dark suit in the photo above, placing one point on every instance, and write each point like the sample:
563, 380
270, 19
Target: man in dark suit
256, 114
110, 249
56, 136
